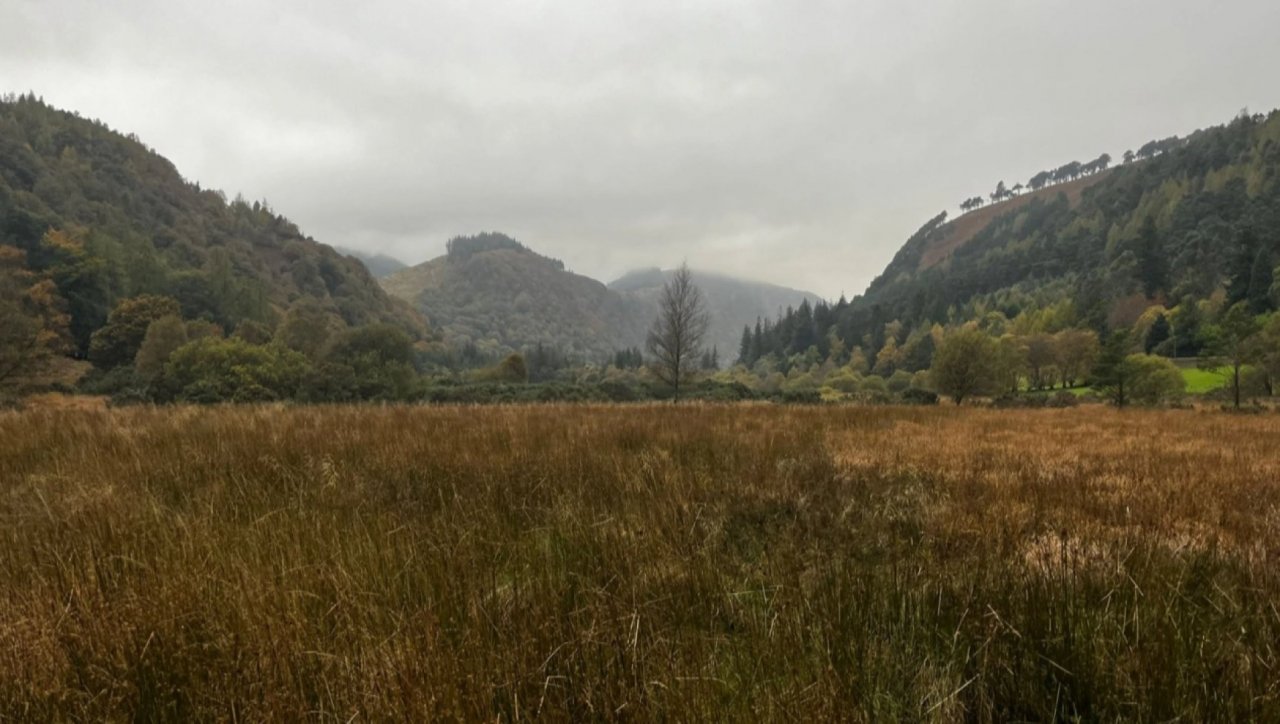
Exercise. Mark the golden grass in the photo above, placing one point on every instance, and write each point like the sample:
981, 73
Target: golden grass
638, 562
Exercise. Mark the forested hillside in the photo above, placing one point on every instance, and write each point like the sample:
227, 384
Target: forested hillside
94, 226
490, 295
1169, 250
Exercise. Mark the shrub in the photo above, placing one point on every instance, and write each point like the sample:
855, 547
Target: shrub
1153, 380
917, 396
221, 370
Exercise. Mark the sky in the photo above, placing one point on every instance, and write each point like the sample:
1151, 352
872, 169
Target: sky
795, 142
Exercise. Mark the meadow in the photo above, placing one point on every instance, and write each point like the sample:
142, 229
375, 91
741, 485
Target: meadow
693, 562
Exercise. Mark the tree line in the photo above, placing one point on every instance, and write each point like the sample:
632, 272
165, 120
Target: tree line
1071, 172
1044, 179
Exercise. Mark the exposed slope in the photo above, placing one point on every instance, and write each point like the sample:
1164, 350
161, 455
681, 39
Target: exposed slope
1198, 221
732, 303
1214, 206
129, 224
960, 231
491, 291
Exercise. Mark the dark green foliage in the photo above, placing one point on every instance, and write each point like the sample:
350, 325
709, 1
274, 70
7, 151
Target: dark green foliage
1151, 380
1187, 218
1234, 342
710, 360
118, 341
1110, 375
371, 363
461, 248
918, 396
1158, 333
232, 370
628, 359
1153, 267
253, 332
966, 364
545, 363
127, 224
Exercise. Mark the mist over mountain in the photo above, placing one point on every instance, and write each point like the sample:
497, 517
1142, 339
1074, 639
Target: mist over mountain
494, 293
379, 265
731, 303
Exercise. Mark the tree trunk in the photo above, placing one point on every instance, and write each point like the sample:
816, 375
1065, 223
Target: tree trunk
1236, 383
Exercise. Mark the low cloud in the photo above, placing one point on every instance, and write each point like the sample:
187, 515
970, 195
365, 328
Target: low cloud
798, 143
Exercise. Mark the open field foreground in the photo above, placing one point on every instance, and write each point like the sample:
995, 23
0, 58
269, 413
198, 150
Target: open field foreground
638, 562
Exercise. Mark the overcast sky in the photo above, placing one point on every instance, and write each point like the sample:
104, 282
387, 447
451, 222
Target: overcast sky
796, 142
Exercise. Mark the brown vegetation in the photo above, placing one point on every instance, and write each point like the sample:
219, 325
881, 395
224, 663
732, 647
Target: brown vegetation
638, 562
965, 227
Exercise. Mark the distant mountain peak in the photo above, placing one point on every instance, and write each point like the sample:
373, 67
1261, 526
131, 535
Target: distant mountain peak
493, 291
379, 265
463, 248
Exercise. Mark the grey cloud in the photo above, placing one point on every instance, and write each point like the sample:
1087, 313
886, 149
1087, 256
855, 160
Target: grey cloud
796, 142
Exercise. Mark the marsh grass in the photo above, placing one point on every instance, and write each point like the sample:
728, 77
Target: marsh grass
638, 562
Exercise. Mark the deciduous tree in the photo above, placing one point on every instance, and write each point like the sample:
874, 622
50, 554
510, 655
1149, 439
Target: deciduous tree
676, 337
965, 365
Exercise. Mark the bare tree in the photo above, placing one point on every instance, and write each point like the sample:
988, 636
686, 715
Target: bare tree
675, 339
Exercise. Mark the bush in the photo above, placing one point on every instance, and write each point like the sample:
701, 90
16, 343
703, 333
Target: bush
618, 391
800, 397
1153, 380
1062, 398
225, 370
109, 382
899, 382
917, 396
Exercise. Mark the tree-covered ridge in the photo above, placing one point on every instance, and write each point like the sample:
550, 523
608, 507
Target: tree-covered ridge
490, 295
105, 218
1066, 172
1186, 222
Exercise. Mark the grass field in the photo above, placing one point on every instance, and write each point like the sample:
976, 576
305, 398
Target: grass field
639, 562
1201, 381
1198, 381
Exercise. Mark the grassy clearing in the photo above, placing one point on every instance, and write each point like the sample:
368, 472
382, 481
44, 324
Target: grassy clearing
1201, 381
692, 563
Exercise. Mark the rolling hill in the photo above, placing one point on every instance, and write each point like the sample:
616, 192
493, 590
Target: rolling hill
1185, 224
101, 217
493, 292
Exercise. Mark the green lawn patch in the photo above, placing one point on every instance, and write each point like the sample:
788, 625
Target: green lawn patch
1201, 381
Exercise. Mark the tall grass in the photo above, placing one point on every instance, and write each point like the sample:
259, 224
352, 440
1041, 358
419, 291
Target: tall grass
687, 563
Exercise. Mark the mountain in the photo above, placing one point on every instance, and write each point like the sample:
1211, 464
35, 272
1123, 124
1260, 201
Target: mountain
492, 292
732, 303
89, 217
1186, 226
379, 265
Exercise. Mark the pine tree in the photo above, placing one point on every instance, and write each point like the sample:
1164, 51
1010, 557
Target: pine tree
1152, 265
1158, 333
1261, 277
744, 347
